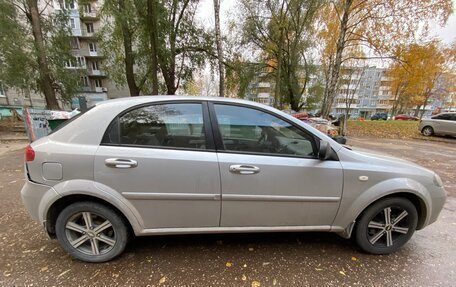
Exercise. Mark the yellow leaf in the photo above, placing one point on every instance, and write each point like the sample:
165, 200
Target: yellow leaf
354, 258
228, 264
162, 280
342, 273
256, 284
243, 278
44, 269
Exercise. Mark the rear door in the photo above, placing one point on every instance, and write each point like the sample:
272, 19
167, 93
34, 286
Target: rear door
161, 157
270, 173
443, 123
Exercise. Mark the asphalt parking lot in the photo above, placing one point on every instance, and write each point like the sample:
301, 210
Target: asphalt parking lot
28, 258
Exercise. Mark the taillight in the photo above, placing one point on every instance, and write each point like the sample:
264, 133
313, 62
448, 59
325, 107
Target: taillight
29, 153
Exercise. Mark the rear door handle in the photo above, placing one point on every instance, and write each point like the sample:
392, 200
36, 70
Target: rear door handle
244, 169
121, 163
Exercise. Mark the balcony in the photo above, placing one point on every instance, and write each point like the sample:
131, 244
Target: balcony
263, 95
264, 85
84, 33
96, 73
101, 89
90, 54
90, 15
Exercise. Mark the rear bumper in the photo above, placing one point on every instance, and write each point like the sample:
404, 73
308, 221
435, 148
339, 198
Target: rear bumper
32, 196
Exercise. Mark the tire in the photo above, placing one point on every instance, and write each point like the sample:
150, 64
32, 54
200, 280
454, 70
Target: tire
427, 131
91, 232
375, 236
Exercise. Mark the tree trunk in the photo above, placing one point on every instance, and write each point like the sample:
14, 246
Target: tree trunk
417, 110
330, 93
129, 58
277, 96
218, 40
45, 73
152, 23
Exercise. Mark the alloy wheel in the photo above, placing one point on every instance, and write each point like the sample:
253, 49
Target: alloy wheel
90, 233
388, 226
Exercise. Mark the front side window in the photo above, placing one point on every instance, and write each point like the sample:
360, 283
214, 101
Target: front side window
249, 130
164, 125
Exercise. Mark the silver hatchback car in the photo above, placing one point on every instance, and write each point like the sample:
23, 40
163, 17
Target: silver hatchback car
173, 165
441, 124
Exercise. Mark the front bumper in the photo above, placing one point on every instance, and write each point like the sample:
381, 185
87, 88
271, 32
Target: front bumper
438, 196
32, 196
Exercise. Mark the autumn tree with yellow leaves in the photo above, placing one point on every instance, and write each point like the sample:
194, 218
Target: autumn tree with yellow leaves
415, 76
376, 25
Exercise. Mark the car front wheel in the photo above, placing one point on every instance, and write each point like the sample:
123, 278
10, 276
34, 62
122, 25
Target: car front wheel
386, 226
91, 232
427, 131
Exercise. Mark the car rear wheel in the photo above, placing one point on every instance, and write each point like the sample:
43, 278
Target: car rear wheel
386, 226
427, 131
91, 232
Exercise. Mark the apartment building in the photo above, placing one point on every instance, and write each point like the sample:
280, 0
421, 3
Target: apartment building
95, 85
85, 22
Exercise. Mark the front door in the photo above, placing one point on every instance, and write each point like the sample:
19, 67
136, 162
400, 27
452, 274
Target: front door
270, 173
159, 158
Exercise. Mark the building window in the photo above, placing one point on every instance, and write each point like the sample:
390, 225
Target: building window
2, 91
89, 27
92, 47
95, 65
98, 83
80, 61
70, 63
74, 43
72, 23
87, 8
84, 81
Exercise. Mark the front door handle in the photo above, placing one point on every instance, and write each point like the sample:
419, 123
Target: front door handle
121, 163
244, 169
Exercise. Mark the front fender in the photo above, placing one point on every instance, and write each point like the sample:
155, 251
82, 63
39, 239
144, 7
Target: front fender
353, 204
91, 188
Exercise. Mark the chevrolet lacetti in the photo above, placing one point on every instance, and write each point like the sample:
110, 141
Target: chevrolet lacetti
173, 165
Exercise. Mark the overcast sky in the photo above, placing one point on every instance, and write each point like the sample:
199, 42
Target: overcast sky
206, 14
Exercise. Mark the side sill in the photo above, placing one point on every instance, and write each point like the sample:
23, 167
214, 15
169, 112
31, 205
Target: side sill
210, 230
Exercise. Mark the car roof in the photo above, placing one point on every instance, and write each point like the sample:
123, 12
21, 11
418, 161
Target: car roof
147, 99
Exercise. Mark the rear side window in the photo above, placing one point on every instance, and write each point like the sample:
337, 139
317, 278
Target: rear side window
165, 125
443, 117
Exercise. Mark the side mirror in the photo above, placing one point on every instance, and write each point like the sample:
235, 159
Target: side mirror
325, 150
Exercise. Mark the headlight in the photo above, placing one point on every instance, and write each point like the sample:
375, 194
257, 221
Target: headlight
437, 180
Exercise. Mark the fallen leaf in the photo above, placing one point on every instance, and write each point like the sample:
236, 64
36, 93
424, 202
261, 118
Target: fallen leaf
342, 273
243, 278
318, 269
115, 275
274, 282
245, 265
256, 284
354, 258
228, 264
162, 280
266, 263
250, 249
44, 269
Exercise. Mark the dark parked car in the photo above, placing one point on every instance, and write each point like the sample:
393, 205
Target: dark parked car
405, 118
379, 116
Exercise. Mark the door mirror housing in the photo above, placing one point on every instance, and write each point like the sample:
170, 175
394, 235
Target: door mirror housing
326, 152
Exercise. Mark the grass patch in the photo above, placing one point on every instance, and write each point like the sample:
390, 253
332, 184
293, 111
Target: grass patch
383, 129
